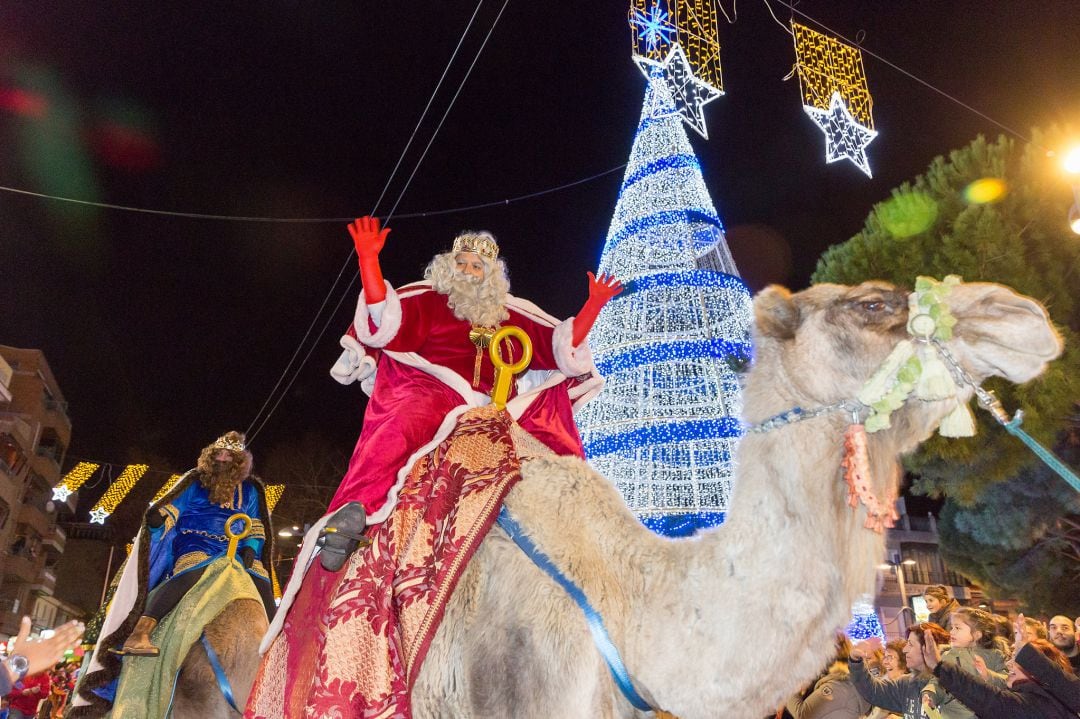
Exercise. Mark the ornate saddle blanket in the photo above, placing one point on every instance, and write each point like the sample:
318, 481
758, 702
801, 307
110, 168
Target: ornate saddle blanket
354, 640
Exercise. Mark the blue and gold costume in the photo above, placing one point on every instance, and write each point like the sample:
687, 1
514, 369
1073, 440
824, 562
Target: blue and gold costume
198, 527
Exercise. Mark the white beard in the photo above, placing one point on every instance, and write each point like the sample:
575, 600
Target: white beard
474, 300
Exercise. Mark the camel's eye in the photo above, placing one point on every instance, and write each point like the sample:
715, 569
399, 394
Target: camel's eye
874, 305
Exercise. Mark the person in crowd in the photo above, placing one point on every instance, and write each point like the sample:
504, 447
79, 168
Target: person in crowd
1034, 629
1064, 685
893, 659
28, 694
974, 647
1023, 698
1062, 634
29, 658
940, 604
834, 696
900, 695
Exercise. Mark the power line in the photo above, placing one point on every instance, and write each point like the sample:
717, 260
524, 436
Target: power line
416, 167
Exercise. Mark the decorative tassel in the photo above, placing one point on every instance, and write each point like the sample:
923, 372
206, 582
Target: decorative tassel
935, 382
958, 423
883, 379
857, 474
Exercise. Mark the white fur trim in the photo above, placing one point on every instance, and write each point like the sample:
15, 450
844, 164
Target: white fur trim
354, 364
390, 319
303, 560
572, 361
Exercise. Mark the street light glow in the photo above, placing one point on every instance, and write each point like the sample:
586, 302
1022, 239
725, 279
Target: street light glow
1074, 219
1071, 163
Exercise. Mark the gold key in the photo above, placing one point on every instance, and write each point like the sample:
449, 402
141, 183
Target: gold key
504, 372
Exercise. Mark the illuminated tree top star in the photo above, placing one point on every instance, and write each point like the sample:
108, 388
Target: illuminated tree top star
654, 27
689, 93
845, 138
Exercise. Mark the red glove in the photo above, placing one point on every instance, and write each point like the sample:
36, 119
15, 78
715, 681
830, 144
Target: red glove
600, 291
369, 240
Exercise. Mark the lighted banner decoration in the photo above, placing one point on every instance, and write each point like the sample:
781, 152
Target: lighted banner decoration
74, 479
835, 94
116, 492
273, 495
677, 40
165, 488
665, 427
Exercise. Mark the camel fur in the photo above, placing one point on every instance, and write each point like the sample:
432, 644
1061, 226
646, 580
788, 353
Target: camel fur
728, 622
234, 635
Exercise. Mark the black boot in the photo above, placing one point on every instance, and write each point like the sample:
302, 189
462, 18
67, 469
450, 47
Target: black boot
342, 535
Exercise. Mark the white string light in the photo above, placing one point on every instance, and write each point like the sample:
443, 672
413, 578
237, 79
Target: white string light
665, 426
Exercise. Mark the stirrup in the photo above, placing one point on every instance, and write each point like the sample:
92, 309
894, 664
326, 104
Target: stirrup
145, 652
341, 536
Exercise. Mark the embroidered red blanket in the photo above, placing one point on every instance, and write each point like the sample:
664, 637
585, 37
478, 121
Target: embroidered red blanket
354, 640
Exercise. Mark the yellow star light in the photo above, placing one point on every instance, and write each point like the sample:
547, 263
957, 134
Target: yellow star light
116, 492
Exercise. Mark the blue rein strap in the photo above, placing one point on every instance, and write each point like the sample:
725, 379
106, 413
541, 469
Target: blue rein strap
592, 617
1048, 457
219, 672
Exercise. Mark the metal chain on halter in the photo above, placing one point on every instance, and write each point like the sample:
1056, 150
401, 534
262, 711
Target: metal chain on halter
986, 399
989, 401
798, 414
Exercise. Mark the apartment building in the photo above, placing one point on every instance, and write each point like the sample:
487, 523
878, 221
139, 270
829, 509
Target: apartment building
35, 432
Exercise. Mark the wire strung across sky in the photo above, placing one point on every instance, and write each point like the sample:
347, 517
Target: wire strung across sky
348, 260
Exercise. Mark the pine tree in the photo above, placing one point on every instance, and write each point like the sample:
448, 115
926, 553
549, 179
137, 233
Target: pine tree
1005, 515
665, 426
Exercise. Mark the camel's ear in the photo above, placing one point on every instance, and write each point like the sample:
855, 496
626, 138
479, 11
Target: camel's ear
776, 313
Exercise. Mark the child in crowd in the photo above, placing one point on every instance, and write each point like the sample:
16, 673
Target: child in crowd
974, 647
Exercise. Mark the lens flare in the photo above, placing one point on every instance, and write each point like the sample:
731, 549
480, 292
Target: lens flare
985, 191
907, 214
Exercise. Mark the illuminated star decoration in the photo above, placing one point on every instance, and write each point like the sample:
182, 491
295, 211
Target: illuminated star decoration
845, 138
60, 493
654, 27
688, 92
98, 515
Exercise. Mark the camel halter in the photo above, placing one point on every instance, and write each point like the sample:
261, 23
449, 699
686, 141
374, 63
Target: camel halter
924, 367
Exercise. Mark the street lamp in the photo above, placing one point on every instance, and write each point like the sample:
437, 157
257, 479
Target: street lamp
1071, 165
902, 584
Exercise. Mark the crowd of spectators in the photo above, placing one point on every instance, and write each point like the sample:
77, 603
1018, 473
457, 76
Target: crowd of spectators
965, 663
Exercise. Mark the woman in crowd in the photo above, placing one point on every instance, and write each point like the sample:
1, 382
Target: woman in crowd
901, 695
1023, 698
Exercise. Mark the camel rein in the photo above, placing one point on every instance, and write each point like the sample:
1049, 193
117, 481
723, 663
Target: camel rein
593, 619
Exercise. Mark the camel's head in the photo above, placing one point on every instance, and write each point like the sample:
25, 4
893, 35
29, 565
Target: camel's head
826, 341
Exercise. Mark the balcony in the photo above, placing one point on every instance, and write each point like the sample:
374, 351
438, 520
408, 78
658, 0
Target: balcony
23, 570
45, 582
55, 538
918, 575
35, 517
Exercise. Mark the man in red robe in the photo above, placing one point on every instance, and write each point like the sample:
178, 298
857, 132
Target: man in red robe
421, 352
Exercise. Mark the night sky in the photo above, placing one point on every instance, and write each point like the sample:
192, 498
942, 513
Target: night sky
164, 332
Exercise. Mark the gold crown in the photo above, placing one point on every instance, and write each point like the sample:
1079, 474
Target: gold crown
482, 243
227, 442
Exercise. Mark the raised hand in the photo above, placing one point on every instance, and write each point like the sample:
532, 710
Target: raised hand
1018, 631
931, 653
604, 288
600, 291
866, 648
368, 240
367, 237
44, 653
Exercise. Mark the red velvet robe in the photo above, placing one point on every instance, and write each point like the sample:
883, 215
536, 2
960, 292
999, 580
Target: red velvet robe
425, 380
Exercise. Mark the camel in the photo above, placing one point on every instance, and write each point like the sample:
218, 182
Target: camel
234, 636
729, 622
